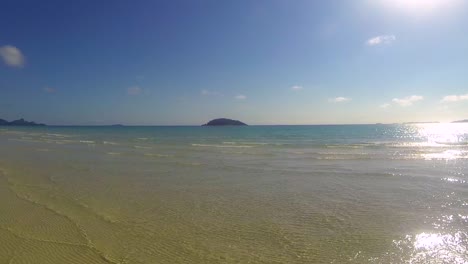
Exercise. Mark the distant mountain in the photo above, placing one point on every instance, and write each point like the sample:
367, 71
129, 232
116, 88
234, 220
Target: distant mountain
224, 122
461, 121
19, 122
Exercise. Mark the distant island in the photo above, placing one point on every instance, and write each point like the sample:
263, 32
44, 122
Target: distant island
19, 122
225, 122
461, 121
415, 123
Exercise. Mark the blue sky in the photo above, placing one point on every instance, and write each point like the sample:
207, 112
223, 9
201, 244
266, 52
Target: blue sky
263, 62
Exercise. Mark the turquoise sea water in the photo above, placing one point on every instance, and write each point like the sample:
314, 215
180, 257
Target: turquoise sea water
257, 194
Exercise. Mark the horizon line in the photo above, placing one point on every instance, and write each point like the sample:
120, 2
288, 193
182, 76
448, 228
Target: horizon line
188, 125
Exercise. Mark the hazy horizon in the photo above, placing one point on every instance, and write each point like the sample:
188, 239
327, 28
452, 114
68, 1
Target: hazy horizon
254, 124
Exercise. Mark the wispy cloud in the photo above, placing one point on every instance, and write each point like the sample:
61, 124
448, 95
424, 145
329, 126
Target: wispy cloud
407, 101
240, 97
382, 39
386, 105
49, 90
134, 90
339, 99
455, 98
297, 88
209, 92
12, 56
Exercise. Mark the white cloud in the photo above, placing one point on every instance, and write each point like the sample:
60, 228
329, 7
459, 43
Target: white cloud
297, 88
407, 101
240, 97
382, 39
386, 105
49, 90
12, 56
134, 90
339, 99
208, 92
455, 98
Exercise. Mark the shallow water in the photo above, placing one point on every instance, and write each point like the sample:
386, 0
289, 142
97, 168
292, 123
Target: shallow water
266, 194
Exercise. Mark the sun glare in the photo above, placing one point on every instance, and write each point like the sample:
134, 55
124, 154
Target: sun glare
420, 4
420, 7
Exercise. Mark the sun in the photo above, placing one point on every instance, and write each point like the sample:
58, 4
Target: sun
420, 6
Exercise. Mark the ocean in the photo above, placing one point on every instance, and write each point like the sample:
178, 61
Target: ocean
256, 194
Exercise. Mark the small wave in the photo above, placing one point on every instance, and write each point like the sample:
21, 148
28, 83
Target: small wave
25, 140
358, 145
190, 163
344, 158
62, 141
435, 144
230, 142
340, 153
221, 146
6, 131
57, 135
298, 152
142, 147
446, 155
109, 143
460, 143
87, 141
158, 155
246, 143
259, 143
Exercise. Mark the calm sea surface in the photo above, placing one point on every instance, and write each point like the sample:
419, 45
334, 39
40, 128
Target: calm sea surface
258, 194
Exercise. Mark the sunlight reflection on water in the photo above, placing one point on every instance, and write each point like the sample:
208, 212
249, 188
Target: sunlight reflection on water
438, 247
447, 134
453, 138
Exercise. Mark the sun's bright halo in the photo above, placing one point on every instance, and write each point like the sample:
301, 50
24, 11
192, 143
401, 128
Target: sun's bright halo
420, 6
